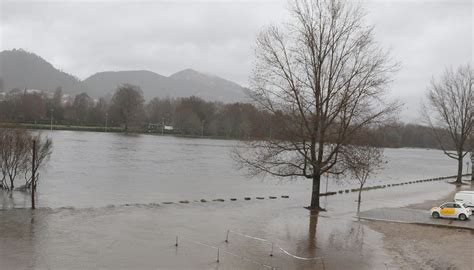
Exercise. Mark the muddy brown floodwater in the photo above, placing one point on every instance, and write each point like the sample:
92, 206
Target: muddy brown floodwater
101, 207
144, 236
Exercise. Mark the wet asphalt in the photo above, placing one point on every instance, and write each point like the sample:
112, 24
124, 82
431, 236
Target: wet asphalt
414, 216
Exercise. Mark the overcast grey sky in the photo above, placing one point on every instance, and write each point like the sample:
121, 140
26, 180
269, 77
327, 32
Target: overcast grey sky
217, 37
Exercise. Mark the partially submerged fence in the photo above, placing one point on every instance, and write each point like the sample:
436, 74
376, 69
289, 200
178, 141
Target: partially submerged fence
271, 244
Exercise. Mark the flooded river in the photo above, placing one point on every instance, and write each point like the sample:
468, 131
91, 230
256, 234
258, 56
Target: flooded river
101, 207
98, 169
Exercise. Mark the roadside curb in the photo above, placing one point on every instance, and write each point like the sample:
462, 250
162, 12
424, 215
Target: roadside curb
416, 223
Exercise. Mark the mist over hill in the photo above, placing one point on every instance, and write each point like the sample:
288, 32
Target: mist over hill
21, 69
181, 84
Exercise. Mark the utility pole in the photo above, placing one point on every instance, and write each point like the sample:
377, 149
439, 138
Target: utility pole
51, 126
106, 119
202, 129
33, 176
162, 126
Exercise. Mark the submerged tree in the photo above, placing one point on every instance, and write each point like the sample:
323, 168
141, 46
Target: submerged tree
13, 155
16, 156
322, 78
363, 162
451, 107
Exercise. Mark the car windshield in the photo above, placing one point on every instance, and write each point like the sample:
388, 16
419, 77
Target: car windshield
464, 205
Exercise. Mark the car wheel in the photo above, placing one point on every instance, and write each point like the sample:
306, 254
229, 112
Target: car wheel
462, 217
435, 214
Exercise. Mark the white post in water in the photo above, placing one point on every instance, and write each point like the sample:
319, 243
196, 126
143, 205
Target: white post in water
227, 237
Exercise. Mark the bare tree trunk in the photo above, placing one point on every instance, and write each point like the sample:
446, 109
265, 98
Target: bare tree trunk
459, 176
359, 199
472, 167
315, 192
33, 176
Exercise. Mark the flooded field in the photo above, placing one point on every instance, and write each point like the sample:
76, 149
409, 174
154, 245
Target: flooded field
99, 169
101, 207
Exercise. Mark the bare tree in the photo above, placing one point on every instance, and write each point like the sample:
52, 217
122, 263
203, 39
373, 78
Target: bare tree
13, 155
323, 78
450, 107
127, 103
363, 162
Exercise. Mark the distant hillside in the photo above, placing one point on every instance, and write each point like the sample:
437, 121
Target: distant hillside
190, 82
182, 84
21, 69
104, 83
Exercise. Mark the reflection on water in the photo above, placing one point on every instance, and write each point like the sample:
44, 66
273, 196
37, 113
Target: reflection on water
313, 223
14, 199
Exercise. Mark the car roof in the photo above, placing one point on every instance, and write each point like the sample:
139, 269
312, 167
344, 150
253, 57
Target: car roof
466, 192
453, 202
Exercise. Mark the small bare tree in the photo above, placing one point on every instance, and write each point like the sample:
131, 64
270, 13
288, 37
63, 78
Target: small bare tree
450, 107
362, 163
13, 155
16, 147
322, 78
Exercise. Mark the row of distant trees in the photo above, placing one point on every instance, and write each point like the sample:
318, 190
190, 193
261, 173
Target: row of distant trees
127, 108
189, 116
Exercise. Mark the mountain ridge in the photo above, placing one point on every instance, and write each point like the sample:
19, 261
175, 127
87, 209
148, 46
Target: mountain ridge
42, 75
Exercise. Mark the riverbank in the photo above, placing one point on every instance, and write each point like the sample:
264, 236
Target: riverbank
110, 129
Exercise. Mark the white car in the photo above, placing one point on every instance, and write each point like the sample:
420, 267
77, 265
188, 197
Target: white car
465, 197
452, 210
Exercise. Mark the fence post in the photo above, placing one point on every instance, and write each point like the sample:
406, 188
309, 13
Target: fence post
33, 176
271, 254
176, 241
217, 254
227, 237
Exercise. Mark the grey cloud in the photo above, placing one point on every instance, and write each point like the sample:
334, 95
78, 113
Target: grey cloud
84, 37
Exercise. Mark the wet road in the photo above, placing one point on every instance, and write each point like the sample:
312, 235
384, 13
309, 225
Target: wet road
414, 216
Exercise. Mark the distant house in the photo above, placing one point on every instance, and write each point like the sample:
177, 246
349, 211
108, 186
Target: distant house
159, 127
